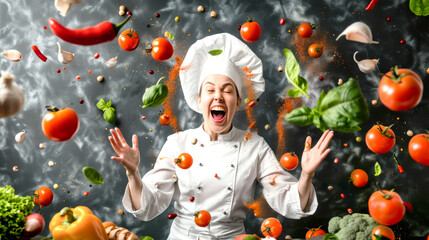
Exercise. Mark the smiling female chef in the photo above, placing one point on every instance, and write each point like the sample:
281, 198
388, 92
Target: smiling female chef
214, 86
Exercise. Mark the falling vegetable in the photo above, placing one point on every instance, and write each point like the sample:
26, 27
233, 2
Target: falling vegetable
342, 109
366, 65
419, 7
11, 96
371, 5
377, 169
100, 33
108, 111
111, 63
63, 56
400, 169
12, 55
359, 32
20, 137
292, 73
155, 95
92, 175
39, 53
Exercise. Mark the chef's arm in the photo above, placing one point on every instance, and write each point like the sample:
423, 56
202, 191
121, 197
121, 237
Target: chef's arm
135, 185
304, 189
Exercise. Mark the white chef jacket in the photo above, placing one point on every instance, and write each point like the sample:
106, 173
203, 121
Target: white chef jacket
238, 163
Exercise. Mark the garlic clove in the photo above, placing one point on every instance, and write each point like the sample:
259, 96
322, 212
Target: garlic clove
366, 65
12, 55
358, 32
63, 56
111, 63
62, 6
20, 137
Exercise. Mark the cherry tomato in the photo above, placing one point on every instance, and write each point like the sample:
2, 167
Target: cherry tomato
386, 207
400, 89
315, 50
314, 232
305, 30
250, 31
184, 161
44, 196
202, 218
60, 125
380, 139
359, 178
289, 161
129, 40
161, 49
418, 147
271, 227
384, 231
165, 119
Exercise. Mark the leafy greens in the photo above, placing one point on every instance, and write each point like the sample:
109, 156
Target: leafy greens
292, 73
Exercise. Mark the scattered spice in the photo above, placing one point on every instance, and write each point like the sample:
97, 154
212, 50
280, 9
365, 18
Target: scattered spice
122, 7
330, 187
374, 102
215, 175
410, 133
200, 9
56, 186
340, 81
213, 14
280, 69
358, 139
100, 78
121, 212
121, 12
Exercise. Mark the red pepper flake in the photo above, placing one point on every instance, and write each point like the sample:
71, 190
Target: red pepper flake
86, 193
336, 160
349, 210
371, 5
215, 175
58, 70
157, 15
45, 27
321, 78
282, 21
90, 71
252, 125
239, 27
77, 77
172, 216
388, 19
81, 101
143, 117
343, 196
97, 55
191, 198
345, 144
129, 13
408, 206
402, 41
151, 72
38, 53
251, 104
64, 68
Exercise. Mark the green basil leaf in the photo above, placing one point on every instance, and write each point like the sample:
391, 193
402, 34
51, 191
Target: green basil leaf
292, 73
330, 236
300, 116
215, 52
155, 95
344, 107
109, 115
92, 175
321, 97
171, 36
377, 169
317, 121
294, 93
101, 104
419, 7
146, 238
108, 104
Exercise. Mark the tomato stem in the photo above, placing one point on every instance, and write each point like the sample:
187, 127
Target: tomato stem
130, 34
313, 26
384, 132
51, 108
396, 77
249, 19
159, 80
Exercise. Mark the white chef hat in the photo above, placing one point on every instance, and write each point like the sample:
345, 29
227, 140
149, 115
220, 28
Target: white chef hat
235, 56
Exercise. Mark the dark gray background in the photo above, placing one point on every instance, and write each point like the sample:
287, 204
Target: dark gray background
21, 25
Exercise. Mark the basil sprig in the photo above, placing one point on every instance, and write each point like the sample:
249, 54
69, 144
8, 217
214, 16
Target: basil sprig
155, 95
342, 109
419, 7
292, 73
108, 111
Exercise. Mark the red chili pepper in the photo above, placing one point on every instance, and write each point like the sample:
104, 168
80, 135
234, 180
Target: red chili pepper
408, 206
251, 104
400, 169
371, 5
100, 33
172, 215
38, 53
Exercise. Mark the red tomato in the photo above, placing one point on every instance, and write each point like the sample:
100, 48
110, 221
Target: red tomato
418, 147
165, 120
202, 218
129, 40
305, 30
315, 50
250, 31
271, 227
387, 207
60, 125
314, 232
359, 178
44, 196
384, 231
380, 139
400, 89
161, 49
289, 161
184, 161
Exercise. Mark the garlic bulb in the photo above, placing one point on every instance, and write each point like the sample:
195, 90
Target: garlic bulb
12, 55
62, 6
358, 32
366, 65
111, 63
20, 137
63, 56
11, 96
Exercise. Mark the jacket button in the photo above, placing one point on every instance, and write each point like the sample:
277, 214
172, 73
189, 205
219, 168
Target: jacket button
201, 164
225, 213
232, 165
235, 146
229, 188
199, 187
202, 145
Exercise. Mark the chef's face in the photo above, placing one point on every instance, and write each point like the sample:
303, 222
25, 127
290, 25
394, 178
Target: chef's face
218, 101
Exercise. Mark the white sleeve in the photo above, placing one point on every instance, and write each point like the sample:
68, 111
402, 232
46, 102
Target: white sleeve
280, 188
158, 186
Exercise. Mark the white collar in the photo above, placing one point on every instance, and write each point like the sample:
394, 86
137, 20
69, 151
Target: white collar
229, 136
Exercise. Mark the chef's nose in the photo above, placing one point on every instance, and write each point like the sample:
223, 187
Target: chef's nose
218, 96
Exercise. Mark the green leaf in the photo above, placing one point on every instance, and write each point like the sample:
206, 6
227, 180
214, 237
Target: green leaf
330, 236
377, 169
170, 36
215, 52
146, 238
108, 104
109, 115
251, 237
419, 7
321, 97
155, 95
92, 175
380, 237
101, 104
300, 116
294, 93
292, 73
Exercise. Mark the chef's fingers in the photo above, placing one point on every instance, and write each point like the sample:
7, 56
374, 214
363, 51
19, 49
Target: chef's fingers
307, 144
326, 141
115, 138
114, 145
121, 137
117, 159
324, 154
135, 142
321, 139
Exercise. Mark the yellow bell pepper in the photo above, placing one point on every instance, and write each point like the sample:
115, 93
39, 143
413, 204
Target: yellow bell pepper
77, 224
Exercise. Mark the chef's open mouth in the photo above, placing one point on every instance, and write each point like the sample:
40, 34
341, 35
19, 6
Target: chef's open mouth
218, 115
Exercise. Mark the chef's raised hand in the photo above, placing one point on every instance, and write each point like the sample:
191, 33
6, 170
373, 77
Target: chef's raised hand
128, 156
312, 157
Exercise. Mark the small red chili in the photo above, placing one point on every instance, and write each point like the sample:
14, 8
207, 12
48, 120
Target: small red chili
251, 104
143, 117
90, 71
38, 53
97, 55
388, 19
45, 27
58, 70
343, 196
172, 216
86, 193
402, 41
191, 199
371, 5
400, 169
408, 206
321, 78
157, 15
64, 68
81, 101
282, 21
349, 210
150, 71
77, 77
100, 33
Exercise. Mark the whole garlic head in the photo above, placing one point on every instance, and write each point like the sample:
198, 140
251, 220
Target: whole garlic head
11, 96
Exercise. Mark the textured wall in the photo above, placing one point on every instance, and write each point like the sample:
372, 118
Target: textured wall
22, 25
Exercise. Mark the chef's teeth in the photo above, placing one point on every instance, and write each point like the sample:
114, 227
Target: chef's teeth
218, 109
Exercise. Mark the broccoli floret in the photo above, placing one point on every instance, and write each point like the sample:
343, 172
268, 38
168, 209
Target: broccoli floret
357, 226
